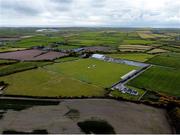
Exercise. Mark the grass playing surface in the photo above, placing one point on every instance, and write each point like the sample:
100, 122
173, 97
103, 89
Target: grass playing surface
92, 71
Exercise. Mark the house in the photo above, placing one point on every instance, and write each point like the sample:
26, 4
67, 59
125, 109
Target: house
98, 56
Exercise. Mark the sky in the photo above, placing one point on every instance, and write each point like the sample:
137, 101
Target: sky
90, 13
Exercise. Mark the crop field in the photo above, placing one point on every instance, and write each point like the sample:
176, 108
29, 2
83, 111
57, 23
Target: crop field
134, 48
138, 42
160, 79
93, 71
32, 54
40, 82
124, 117
150, 35
51, 55
171, 48
157, 50
20, 55
142, 57
166, 60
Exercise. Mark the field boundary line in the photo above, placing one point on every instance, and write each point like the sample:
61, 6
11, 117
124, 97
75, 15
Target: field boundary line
142, 96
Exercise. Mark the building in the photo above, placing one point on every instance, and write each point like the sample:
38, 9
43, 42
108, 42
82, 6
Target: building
124, 77
78, 50
98, 56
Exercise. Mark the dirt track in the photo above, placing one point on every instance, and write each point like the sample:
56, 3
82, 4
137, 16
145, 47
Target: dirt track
125, 117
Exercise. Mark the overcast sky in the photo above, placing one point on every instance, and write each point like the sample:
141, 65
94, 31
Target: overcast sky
115, 13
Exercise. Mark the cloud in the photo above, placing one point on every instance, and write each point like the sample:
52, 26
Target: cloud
116, 13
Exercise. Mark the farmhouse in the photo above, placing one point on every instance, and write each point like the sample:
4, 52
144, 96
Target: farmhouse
98, 56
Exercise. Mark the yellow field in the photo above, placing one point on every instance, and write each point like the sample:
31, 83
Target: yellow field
157, 50
131, 48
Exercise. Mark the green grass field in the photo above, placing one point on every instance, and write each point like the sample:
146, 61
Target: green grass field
97, 38
66, 59
40, 82
142, 57
10, 49
67, 47
171, 48
167, 60
81, 39
93, 71
157, 51
20, 66
73, 76
69, 78
159, 79
38, 40
6, 62
138, 42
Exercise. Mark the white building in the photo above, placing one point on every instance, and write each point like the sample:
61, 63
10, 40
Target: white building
128, 74
98, 56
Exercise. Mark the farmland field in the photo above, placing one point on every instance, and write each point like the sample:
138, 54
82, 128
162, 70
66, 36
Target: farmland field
163, 80
142, 57
134, 48
31, 55
138, 42
92, 71
37, 41
167, 60
66, 59
9, 49
50, 83
157, 50
150, 35
66, 47
124, 117
40, 82
97, 38
6, 62
20, 66
171, 48
21, 55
